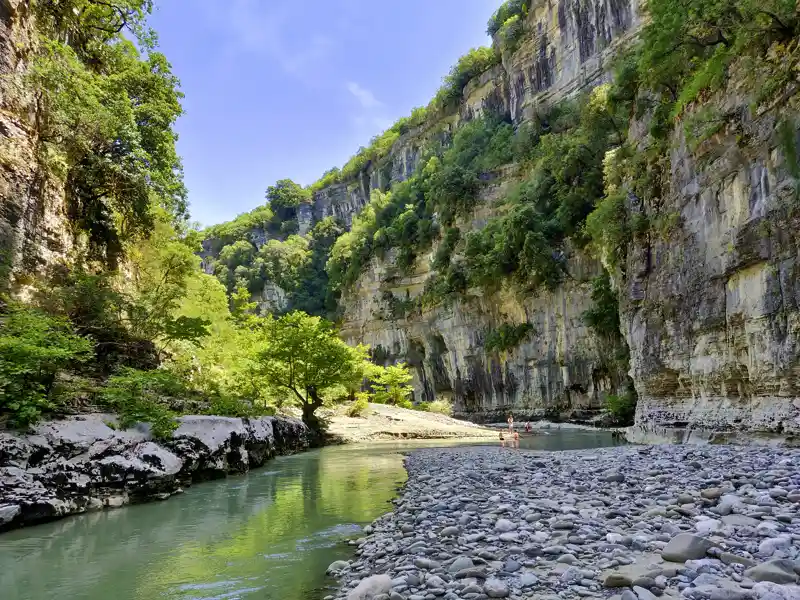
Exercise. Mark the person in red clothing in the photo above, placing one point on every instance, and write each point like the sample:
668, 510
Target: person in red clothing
527, 427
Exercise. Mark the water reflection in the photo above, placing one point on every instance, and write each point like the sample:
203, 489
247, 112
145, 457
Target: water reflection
269, 534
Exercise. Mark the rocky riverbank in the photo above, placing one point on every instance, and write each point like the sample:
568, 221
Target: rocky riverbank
630, 523
81, 463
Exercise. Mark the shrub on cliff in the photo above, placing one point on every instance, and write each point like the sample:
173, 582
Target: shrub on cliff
622, 408
34, 347
472, 64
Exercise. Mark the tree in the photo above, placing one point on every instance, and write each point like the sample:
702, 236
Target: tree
304, 356
392, 385
105, 117
285, 196
161, 268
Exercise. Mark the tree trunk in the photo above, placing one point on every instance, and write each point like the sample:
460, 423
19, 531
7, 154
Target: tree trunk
310, 406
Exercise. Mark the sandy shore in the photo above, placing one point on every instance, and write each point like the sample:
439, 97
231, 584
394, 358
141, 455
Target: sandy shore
385, 422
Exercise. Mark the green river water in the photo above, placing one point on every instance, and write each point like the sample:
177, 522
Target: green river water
266, 535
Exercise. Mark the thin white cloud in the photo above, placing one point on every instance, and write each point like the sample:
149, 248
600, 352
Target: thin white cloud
255, 27
363, 95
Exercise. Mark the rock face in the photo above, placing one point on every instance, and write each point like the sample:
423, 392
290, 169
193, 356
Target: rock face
79, 464
711, 309
562, 370
33, 229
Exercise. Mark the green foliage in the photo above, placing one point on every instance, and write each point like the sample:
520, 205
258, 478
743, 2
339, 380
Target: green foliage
563, 185
392, 385
511, 9
688, 46
473, 63
507, 337
441, 260
231, 406
511, 33
139, 397
285, 196
225, 234
603, 316
304, 356
34, 347
360, 406
106, 119
404, 218
160, 268
622, 408
442, 407
787, 137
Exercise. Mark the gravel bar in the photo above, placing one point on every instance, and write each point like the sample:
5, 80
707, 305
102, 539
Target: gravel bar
629, 523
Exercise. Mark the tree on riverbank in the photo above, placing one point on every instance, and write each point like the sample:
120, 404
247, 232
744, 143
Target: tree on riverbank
304, 357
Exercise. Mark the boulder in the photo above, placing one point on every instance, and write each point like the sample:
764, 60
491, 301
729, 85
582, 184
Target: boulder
369, 588
778, 570
685, 546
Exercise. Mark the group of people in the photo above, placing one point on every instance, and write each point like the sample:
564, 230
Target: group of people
513, 441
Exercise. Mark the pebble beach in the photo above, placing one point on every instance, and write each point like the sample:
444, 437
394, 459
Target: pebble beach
629, 523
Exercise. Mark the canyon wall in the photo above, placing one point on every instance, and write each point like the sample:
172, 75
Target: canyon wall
711, 308
33, 227
562, 369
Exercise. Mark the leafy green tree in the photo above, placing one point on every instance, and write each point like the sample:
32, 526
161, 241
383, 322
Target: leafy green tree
282, 262
106, 119
392, 385
34, 347
304, 356
285, 196
509, 10
312, 294
161, 267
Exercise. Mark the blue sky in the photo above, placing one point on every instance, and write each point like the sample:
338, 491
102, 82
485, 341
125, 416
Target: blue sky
291, 88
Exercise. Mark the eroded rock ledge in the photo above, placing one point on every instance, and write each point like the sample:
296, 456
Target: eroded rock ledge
79, 464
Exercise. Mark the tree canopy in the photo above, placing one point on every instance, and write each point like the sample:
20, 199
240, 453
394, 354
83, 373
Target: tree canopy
304, 356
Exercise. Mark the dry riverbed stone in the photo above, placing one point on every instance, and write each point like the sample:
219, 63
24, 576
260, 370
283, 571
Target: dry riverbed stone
682, 523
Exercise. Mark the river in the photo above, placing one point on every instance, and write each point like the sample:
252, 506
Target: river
266, 535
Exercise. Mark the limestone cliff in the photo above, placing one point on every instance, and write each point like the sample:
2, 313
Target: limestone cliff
711, 309
562, 369
709, 305
33, 226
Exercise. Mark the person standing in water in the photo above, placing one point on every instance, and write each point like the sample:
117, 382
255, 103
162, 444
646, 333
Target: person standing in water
510, 423
502, 440
516, 440
527, 427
